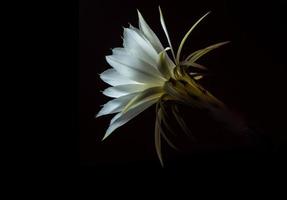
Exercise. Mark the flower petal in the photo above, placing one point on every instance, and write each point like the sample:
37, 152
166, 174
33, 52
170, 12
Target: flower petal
119, 51
122, 90
149, 34
115, 105
142, 96
163, 65
139, 46
124, 52
134, 62
112, 77
135, 69
170, 62
122, 118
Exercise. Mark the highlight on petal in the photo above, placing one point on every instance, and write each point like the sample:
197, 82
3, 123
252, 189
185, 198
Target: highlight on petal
134, 69
186, 36
149, 34
136, 63
122, 118
123, 52
113, 78
146, 94
121, 90
139, 46
115, 105
119, 51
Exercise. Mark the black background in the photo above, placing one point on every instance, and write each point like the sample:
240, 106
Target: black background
249, 75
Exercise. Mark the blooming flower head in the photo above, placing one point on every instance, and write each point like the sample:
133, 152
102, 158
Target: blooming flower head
143, 74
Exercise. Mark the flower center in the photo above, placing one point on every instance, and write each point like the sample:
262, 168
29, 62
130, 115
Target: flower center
185, 89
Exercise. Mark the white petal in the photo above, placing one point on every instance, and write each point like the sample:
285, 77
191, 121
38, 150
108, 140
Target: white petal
123, 52
149, 34
115, 105
136, 63
119, 51
112, 77
122, 118
163, 65
171, 64
122, 90
139, 46
135, 69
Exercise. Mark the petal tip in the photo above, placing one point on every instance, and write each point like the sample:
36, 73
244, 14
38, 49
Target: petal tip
108, 133
139, 13
104, 138
101, 112
98, 114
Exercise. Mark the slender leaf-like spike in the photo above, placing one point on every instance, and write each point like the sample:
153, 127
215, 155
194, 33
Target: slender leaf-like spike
186, 36
164, 119
196, 55
193, 64
181, 122
168, 141
190, 55
157, 135
165, 31
162, 132
163, 116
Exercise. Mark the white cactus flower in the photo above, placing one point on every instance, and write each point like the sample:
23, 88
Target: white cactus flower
143, 74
